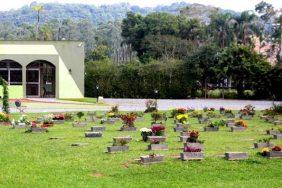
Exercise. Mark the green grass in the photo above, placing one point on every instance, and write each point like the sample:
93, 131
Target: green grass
86, 99
32, 160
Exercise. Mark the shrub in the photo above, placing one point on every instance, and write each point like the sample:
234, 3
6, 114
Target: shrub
4, 117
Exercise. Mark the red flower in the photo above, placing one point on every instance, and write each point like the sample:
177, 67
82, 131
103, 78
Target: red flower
276, 148
129, 119
192, 149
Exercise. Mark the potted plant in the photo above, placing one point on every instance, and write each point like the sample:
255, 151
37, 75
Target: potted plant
262, 143
145, 132
79, 123
192, 153
151, 159
239, 126
212, 114
118, 145
128, 122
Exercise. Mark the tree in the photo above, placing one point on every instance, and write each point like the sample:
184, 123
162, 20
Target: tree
38, 9
265, 10
244, 66
204, 64
5, 106
245, 26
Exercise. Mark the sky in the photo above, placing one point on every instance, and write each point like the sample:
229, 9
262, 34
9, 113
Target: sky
237, 5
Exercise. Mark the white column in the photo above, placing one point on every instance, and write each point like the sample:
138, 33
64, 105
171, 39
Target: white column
24, 81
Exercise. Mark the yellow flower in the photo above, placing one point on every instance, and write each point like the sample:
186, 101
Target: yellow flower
110, 114
265, 150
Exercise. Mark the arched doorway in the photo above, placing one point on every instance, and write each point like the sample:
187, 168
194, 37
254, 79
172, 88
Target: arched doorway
11, 71
40, 79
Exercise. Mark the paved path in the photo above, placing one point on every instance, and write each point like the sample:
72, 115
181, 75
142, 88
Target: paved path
166, 104
53, 105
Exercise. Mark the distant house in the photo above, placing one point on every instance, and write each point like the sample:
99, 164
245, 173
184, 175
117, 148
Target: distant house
43, 69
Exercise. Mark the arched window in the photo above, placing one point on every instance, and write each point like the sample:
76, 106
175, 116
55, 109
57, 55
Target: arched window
11, 71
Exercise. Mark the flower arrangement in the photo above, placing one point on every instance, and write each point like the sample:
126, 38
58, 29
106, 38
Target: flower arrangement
128, 119
113, 113
151, 105
4, 117
192, 149
222, 110
247, 110
265, 140
177, 111
79, 115
158, 130
48, 120
23, 119
145, 132
68, 116
219, 123
264, 151
58, 117
121, 142
276, 148
158, 116
182, 118
241, 123
193, 137
196, 114
212, 114
205, 109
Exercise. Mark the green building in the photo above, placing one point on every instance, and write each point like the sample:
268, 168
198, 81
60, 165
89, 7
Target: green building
43, 69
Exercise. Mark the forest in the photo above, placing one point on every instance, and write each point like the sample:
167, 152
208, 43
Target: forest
182, 50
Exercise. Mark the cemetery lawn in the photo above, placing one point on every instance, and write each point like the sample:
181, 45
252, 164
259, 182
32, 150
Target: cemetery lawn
34, 160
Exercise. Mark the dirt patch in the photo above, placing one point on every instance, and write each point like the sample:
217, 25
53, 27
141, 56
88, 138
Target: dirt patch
97, 175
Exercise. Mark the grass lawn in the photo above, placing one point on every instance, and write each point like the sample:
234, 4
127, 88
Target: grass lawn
33, 160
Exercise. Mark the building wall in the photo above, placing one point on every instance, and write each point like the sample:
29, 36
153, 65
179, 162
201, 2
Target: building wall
15, 92
66, 56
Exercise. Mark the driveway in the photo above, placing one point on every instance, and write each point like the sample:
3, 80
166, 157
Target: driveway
166, 104
54, 105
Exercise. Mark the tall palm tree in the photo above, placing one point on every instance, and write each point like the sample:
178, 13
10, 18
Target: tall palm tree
247, 24
38, 9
